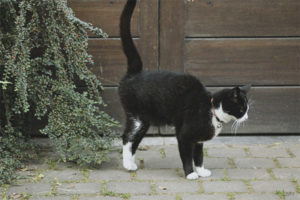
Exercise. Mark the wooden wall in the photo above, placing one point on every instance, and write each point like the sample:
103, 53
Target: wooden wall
222, 42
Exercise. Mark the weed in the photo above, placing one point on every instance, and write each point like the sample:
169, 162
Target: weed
281, 194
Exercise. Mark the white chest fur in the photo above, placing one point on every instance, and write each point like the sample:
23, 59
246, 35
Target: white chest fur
217, 126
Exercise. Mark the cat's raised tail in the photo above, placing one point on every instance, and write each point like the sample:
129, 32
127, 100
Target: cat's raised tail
134, 61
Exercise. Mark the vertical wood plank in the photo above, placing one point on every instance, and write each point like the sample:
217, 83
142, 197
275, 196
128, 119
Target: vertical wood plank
172, 19
148, 45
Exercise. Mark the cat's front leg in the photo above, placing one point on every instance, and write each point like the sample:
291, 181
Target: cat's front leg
129, 158
198, 160
186, 155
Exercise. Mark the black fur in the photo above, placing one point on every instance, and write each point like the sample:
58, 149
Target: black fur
168, 98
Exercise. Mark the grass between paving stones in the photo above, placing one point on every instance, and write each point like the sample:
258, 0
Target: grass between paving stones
104, 192
297, 186
86, 174
55, 185
231, 195
75, 197
178, 197
162, 153
133, 175
52, 164
277, 164
226, 179
153, 188
281, 194
201, 189
226, 176
248, 154
248, 185
21, 196
141, 163
271, 173
180, 172
290, 153
232, 163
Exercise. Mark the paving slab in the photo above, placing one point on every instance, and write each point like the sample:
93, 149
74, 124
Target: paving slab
269, 152
254, 163
294, 149
224, 186
162, 163
289, 162
247, 174
129, 187
30, 188
287, 173
79, 188
27, 175
152, 197
109, 174
173, 187
51, 198
157, 174
205, 197
257, 197
272, 186
216, 174
216, 163
62, 175
292, 197
152, 152
226, 152
172, 150
100, 198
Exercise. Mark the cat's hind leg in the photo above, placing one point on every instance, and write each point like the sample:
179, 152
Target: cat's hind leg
198, 160
134, 132
186, 155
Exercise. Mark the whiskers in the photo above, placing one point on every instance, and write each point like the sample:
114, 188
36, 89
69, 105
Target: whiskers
238, 122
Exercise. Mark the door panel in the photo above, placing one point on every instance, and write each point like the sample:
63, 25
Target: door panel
238, 61
231, 18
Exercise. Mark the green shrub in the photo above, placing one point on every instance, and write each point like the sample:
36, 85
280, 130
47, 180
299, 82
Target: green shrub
44, 74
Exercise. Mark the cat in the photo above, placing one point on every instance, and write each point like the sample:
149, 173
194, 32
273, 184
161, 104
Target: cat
177, 99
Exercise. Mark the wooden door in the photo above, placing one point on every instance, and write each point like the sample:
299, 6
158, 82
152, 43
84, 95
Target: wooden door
223, 42
234, 42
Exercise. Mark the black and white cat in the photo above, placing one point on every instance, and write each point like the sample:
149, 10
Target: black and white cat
167, 98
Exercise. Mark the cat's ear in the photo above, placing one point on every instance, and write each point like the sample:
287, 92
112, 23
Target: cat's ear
246, 88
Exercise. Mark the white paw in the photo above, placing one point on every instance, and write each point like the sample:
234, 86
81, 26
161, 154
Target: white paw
192, 176
129, 164
128, 158
202, 172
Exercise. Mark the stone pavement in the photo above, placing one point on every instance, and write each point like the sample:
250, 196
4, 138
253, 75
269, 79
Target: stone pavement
243, 168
